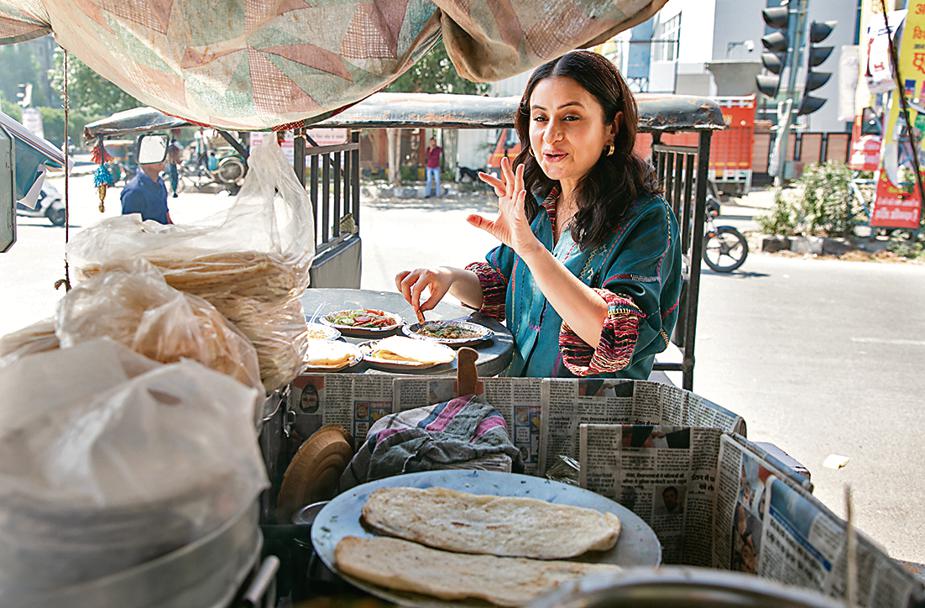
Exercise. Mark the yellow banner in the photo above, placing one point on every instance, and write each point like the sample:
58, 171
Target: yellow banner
898, 202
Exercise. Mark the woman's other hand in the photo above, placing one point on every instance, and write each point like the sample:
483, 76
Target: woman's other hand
412, 284
511, 226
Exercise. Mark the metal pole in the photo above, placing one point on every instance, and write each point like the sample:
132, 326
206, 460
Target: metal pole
693, 292
785, 106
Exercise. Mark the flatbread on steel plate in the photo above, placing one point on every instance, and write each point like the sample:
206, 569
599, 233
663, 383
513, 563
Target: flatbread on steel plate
406, 566
493, 525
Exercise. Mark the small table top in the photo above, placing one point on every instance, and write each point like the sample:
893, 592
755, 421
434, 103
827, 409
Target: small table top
494, 355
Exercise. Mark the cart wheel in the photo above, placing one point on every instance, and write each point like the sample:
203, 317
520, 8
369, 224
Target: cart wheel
724, 249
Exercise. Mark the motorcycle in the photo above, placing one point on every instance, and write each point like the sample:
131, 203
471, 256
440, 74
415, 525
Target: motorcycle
724, 247
49, 205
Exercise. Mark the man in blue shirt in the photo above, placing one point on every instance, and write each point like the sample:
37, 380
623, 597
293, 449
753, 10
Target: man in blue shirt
146, 194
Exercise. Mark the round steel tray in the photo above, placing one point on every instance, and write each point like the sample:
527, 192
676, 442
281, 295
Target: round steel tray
682, 587
206, 573
637, 546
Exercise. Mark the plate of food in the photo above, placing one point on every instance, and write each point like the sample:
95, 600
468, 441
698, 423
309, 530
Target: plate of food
450, 333
319, 331
463, 537
363, 322
398, 353
331, 355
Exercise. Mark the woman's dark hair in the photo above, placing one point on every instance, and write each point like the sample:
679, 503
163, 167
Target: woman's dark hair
614, 182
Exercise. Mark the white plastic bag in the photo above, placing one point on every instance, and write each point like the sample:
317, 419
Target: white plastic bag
136, 307
108, 459
252, 264
36, 338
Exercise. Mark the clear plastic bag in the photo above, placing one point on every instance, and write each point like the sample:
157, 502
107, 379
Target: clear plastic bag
36, 338
109, 459
252, 263
136, 307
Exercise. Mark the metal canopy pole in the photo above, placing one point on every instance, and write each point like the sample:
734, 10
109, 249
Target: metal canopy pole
693, 295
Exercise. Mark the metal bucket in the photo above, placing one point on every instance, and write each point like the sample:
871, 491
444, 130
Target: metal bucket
206, 573
680, 587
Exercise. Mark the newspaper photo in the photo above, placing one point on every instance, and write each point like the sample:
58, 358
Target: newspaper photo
351, 401
662, 473
744, 470
805, 544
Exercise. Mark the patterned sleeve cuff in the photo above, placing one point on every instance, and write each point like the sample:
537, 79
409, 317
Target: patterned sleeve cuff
494, 289
618, 339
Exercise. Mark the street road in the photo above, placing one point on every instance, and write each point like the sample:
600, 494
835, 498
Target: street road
819, 357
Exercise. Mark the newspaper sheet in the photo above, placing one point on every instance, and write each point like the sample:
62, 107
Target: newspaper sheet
744, 469
570, 403
804, 544
596, 401
665, 474
518, 400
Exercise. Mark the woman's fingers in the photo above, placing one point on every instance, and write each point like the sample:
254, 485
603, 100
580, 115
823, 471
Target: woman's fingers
401, 277
494, 182
406, 284
435, 296
508, 174
418, 288
491, 180
481, 222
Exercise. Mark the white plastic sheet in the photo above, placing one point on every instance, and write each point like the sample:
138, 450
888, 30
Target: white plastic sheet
108, 459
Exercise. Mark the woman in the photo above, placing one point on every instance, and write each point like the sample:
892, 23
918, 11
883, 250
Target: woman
588, 274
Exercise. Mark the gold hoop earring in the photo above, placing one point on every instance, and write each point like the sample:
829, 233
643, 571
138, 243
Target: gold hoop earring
611, 149
530, 151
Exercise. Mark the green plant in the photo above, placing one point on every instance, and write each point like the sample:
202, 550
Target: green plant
827, 205
783, 217
907, 248
53, 125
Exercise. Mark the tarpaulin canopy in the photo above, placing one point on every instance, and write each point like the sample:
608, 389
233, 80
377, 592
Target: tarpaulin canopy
258, 64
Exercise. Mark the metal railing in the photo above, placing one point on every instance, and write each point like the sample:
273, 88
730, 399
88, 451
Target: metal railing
331, 174
682, 171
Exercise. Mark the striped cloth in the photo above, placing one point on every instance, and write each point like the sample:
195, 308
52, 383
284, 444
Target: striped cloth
447, 435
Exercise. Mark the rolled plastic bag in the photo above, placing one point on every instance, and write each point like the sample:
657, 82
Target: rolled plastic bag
252, 263
36, 338
137, 308
109, 459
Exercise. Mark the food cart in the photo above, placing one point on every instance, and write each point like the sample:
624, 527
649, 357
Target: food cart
738, 505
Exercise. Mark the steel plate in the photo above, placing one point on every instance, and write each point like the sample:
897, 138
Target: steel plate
637, 546
485, 334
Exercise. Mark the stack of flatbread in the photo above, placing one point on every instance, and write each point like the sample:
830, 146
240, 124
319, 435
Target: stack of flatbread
454, 545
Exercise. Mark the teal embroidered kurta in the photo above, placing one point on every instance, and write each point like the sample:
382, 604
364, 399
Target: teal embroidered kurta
637, 272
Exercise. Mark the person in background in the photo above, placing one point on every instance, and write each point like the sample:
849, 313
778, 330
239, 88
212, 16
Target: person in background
173, 164
433, 153
146, 194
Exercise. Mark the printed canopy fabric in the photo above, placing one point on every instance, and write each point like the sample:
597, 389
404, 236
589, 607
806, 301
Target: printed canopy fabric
258, 64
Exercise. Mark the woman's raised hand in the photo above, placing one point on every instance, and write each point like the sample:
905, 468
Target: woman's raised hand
411, 284
511, 226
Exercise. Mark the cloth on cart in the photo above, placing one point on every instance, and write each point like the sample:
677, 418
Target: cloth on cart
445, 435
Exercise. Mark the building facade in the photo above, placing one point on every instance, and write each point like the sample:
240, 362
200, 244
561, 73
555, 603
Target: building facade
713, 48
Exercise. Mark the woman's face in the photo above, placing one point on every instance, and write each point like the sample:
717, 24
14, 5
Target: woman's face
567, 129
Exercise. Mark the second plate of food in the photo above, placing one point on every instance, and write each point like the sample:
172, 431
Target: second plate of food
363, 322
331, 355
450, 333
398, 353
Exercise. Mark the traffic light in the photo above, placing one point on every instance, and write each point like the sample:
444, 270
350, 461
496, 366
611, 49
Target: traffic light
775, 44
818, 32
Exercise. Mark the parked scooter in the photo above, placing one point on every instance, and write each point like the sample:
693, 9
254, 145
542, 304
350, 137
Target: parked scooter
49, 205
